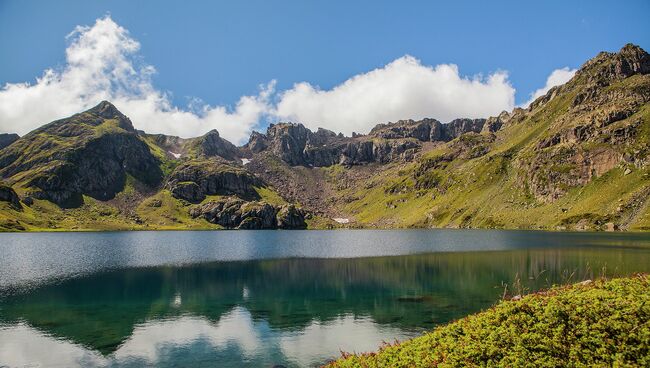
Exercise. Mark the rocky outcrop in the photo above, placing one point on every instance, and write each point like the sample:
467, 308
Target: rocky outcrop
600, 129
297, 145
7, 139
288, 141
422, 130
211, 144
258, 142
7, 194
193, 180
608, 67
428, 130
380, 151
290, 217
234, 213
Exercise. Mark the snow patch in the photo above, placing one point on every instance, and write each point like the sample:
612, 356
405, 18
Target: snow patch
176, 155
244, 161
341, 220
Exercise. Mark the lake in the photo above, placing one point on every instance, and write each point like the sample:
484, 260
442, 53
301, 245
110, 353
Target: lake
264, 298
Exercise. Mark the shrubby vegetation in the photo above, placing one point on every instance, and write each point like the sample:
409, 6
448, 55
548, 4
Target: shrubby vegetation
600, 324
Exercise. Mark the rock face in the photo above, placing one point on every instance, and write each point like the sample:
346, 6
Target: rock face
193, 180
7, 139
233, 213
89, 153
599, 131
607, 66
297, 145
290, 217
7, 194
211, 144
428, 130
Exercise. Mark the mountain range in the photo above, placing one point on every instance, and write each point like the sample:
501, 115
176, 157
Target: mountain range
574, 159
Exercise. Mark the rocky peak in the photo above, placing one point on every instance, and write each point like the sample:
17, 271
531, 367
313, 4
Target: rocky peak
107, 110
257, 142
288, 141
211, 144
608, 66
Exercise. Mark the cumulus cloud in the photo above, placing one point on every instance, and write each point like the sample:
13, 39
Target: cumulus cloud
101, 65
403, 89
556, 78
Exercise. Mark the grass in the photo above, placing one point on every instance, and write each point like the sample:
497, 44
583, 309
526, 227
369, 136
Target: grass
443, 188
601, 324
269, 196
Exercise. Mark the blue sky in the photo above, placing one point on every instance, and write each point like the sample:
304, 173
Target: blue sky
217, 52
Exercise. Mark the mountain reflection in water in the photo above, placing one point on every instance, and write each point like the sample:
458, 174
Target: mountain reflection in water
295, 312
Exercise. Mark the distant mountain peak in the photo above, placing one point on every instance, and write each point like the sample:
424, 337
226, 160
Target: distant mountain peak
107, 110
630, 60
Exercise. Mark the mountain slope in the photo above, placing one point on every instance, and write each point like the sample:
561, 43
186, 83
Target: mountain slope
576, 158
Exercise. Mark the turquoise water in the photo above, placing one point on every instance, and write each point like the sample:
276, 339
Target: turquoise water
259, 298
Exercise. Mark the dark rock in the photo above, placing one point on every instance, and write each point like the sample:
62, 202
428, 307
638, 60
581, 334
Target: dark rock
291, 217
607, 67
257, 142
7, 139
458, 127
7, 194
213, 177
493, 124
187, 190
423, 130
211, 144
297, 145
234, 213
288, 142
258, 215
28, 201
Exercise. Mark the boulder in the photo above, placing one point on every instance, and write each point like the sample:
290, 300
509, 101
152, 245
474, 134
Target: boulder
187, 190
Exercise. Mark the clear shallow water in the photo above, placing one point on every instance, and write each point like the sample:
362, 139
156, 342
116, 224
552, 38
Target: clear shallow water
258, 298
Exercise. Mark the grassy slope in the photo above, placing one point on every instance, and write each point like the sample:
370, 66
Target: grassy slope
487, 191
605, 323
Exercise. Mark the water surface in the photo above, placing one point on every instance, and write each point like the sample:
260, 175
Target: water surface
258, 298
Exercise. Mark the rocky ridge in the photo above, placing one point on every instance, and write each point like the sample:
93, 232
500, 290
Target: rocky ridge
557, 162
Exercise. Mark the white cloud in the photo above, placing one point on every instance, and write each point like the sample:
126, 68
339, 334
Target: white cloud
557, 77
402, 89
99, 66
102, 64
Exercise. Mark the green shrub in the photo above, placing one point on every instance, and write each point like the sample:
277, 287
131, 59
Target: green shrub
601, 324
